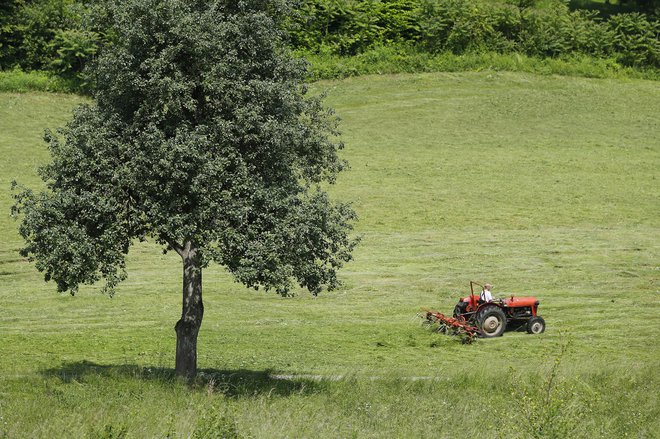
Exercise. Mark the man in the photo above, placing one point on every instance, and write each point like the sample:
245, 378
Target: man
486, 296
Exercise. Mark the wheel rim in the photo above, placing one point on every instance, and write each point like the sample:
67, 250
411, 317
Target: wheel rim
536, 327
491, 324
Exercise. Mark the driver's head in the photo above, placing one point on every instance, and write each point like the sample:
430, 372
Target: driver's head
488, 287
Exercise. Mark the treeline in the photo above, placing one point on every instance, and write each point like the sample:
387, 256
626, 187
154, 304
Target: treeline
348, 27
61, 36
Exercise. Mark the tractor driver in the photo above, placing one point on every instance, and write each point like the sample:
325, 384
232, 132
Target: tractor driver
486, 296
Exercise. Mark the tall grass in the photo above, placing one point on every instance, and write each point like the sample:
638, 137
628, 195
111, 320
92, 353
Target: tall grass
390, 60
402, 59
20, 81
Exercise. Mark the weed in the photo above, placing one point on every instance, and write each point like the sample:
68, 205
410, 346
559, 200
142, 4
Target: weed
19, 81
405, 59
214, 425
554, 409
109, 431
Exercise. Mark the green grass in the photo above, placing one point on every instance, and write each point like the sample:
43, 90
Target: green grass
401, 59
542, 185
17, 81
393, 59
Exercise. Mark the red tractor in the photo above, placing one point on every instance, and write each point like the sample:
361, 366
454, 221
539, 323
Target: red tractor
493, 317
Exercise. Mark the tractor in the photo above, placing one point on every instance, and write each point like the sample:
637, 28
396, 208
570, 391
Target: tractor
493, 317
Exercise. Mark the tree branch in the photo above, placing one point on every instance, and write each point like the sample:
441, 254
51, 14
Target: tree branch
175, 246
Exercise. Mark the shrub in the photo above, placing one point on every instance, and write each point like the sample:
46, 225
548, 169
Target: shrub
74, 48
544, 32
636, 39
53, 35
461, 26
34, 26
347, 27
536, 28
588, 35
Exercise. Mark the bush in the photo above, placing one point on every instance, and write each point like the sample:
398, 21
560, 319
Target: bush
52, 35
555, 31
33, 26
74, 48
636, 39
544, 32
542, 29
460, 26
348, 27
588, 35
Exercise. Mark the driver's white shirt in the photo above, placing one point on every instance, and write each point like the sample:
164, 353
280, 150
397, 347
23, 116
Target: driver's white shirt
486, 296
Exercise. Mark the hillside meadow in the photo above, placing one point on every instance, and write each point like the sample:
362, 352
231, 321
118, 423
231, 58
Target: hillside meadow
542, 185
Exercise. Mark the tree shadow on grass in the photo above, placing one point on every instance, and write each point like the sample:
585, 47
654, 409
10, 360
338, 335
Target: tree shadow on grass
231, 383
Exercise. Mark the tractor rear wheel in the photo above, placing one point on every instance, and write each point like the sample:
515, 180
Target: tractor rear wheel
492, 321
536, 325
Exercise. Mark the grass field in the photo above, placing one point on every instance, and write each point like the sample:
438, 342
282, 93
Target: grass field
545, 186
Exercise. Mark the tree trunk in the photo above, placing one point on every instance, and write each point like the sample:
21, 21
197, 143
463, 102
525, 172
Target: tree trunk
191, 315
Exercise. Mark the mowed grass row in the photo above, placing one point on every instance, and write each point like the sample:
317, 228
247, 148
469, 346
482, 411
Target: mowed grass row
544, 186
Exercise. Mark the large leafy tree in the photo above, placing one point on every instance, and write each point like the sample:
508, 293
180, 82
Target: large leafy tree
201, 137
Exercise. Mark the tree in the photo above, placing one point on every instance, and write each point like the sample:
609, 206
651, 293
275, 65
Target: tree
203, 138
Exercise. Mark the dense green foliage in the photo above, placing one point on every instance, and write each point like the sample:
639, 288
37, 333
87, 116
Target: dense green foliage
200, 133
55, 35
63, 35
543, 185
459, 26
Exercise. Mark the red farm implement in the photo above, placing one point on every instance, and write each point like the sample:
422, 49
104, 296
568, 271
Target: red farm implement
451, 325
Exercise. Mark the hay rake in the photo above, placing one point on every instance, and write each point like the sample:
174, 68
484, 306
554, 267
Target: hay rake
449, 325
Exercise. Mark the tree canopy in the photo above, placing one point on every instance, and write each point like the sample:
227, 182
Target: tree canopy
203, 137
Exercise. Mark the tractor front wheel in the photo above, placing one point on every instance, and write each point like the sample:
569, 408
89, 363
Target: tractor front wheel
492, 321
536, 325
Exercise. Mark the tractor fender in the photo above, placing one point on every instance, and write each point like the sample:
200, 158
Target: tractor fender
488, 305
